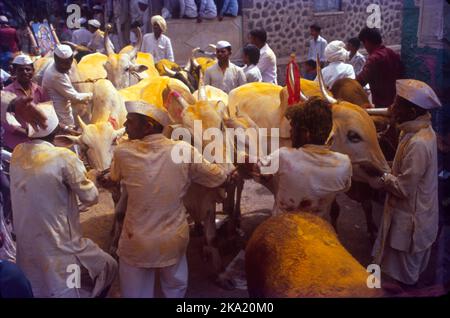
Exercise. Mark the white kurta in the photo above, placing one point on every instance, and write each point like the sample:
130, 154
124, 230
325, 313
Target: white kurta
252, 73
159, 48
82, 36
230, 79
411, 212
62, 93
308, 178
45, 183
155, 231
335, 71
317, 47
268, 65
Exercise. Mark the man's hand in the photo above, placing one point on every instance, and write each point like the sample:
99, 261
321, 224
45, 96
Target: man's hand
104, 181
27, 111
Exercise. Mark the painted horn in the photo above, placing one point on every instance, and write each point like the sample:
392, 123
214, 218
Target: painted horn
106, 40
169, 71
325, 94
378, 111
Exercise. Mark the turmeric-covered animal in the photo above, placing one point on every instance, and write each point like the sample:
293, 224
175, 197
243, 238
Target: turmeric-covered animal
299, 255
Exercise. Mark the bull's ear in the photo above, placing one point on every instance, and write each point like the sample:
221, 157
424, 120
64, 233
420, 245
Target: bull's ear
67, 140
138, 68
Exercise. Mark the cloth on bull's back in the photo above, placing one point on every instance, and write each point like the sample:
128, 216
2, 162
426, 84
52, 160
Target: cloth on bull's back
45, 181
308, 178
155, 231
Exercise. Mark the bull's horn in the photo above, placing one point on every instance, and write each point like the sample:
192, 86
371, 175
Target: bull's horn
187, 68
378, 111
322, 84
77, 47
137, 47
178, 96
169, 71
195, 63
213, 46
194, 51
106, 41
81, 122
303, 97
201, 88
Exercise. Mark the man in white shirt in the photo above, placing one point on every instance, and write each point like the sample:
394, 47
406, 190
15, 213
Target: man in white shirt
251, 58
46, 184
309, 174
155, 232
224, 74
97, 43
267, 61
336, 54
157, 43
317, 44
356, 59
410, 221
57, 82
81, 36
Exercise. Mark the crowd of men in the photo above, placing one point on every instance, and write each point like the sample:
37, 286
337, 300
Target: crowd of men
155, 234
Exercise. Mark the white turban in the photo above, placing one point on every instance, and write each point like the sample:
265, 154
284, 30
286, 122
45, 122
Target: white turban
335, 52
149, 110
52, 121
159, 20
22, 59
417, 92
63, 51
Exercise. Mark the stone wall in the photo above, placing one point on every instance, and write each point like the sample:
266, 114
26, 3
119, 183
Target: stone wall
287, 22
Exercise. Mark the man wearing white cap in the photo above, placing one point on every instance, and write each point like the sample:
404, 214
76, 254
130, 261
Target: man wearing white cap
224, 74
57, 82
46, 184
97, 43
155, 232
336, 54
157, 43
82, 36
22, 86
410, 221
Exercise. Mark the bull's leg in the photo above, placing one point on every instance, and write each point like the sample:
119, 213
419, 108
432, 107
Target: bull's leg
210, 249
371, 227
334, 214
237, 207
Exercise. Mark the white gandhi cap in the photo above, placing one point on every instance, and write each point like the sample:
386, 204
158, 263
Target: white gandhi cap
63, 51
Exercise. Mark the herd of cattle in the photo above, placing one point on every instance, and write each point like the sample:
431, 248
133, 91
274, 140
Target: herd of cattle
131, 75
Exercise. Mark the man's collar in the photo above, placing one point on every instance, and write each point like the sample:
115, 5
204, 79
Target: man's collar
417, 124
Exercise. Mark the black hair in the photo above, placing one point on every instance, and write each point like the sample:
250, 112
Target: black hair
371, 35
315, 116
355, 43
259, 34
311, 63
253, 53
135, 24
315, 27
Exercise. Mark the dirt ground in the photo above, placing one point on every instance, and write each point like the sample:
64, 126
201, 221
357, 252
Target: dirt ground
256, 206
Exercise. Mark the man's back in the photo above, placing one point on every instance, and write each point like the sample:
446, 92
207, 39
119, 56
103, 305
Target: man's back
155, 229
309, 178
383, 67
81, 36
268, 65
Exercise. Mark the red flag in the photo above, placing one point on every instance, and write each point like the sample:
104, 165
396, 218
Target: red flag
293, 81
